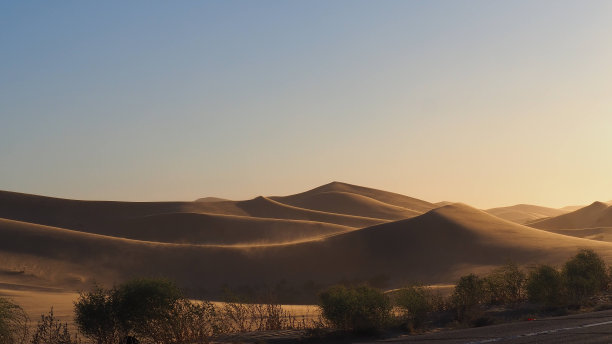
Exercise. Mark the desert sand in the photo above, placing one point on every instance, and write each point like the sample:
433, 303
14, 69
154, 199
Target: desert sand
334, 233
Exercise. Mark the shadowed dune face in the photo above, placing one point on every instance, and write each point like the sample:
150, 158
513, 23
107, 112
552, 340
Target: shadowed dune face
598, 214
192, 228
524, 213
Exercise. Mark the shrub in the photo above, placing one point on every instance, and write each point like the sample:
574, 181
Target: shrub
139, 302
358, 309
584, 275
13, 323
506, 285
414, 303
95, 317
545, 286
468, 293
51, 331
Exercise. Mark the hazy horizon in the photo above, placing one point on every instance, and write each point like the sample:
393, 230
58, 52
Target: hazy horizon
490, 104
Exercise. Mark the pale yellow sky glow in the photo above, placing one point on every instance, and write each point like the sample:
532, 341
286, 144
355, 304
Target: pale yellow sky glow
486, 103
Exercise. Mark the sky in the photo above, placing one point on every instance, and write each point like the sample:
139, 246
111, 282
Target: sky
485, 102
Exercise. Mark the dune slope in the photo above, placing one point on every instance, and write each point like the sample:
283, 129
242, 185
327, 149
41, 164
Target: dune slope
192, 228
598, 214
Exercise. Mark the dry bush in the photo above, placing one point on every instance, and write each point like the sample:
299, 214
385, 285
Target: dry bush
188, 322
51, 331
245, 317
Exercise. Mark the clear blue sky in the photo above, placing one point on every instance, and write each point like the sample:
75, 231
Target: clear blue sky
485, 102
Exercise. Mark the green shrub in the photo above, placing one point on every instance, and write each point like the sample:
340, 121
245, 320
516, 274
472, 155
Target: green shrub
94, 315
584, 275
13, 323
468, 294
414, 303
358, 309
139, 302
545, 286
506, 285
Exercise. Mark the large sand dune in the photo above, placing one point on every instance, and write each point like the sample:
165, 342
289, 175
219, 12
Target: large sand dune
435, 247
598, 214
337, 232
523, 213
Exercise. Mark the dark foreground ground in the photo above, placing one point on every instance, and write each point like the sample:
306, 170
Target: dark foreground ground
585, 328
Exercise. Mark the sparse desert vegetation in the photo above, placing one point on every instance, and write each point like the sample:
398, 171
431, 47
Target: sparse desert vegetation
156, 311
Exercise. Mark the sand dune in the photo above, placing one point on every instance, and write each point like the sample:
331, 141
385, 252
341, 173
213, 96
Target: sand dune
347, 203
598, 214
523, 213
435, 247
379, 195
192, 228
99, 216
326, 235
82, 215
266, 207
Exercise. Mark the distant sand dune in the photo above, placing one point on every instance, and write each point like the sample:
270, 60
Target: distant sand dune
523, 213
598, 214
379, 195
211, 199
